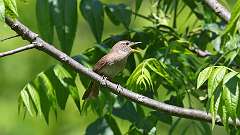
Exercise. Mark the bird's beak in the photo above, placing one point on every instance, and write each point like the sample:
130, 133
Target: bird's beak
134, 43
135, 51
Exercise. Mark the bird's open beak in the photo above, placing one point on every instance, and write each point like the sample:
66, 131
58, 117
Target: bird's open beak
134, 43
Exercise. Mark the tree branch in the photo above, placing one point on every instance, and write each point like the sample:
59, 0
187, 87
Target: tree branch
20, 49
219, 9
9, 38
117, 89
199, 52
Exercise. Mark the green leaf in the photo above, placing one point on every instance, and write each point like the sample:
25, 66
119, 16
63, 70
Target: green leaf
93, 13
223, 113
231, 94
203, 76
134, 131
26, 100
34, 97
138, 5
214, 105
113, 124
232, 24
10, 8
231, 49
44, 20
212, 110
64, 14
45, 91
162, 117
206, 130
50, 90
214, 80
68, 81
2, 11
110, 10
99, 127
141, 77
127, 112
119, 13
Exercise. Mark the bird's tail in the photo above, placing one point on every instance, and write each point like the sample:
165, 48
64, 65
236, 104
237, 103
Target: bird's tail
92, 91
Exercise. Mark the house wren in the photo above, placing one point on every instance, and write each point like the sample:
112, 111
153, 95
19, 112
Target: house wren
110, 65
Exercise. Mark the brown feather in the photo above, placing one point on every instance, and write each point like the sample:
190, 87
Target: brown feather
92, 91
93, 88
100, 64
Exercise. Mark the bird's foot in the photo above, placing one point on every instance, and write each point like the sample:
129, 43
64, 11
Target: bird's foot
104, 80
118, 88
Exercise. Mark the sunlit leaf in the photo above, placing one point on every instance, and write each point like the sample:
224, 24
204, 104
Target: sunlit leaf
235, 13
50, 90
223, 114
10, 8
34, 97
26, 100
68, 81
215, 78
2, 10
203, 76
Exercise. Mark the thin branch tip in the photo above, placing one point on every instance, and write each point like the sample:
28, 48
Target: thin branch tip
11, 37
17, 50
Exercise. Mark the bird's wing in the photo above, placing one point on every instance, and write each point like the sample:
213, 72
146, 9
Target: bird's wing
100, 64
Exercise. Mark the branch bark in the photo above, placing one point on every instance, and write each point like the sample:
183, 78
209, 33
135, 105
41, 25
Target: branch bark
40, 44
219, 9
20, 49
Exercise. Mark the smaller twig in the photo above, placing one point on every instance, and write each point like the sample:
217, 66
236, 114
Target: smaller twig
142, 16
199, 52
4, 39
20, 49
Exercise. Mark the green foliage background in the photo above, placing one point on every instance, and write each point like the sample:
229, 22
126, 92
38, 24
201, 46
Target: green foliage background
18, 70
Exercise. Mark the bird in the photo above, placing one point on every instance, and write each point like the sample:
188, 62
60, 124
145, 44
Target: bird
110, 65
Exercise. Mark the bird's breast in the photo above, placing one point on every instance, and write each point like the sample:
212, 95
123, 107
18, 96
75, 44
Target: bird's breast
113, 67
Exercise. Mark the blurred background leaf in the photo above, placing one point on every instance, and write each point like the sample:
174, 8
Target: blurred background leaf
64, 14
93, 13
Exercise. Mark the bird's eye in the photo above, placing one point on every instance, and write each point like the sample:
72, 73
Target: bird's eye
127, 43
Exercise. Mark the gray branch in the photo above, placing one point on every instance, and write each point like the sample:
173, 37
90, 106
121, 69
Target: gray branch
32, 37
17, 50
219, 9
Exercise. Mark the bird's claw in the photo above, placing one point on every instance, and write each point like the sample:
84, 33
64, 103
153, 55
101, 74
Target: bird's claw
118, 86
103, 82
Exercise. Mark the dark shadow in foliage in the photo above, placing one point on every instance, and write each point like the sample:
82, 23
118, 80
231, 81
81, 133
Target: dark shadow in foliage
101, 105
99, 127
120, 13
127, 112
105, 125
